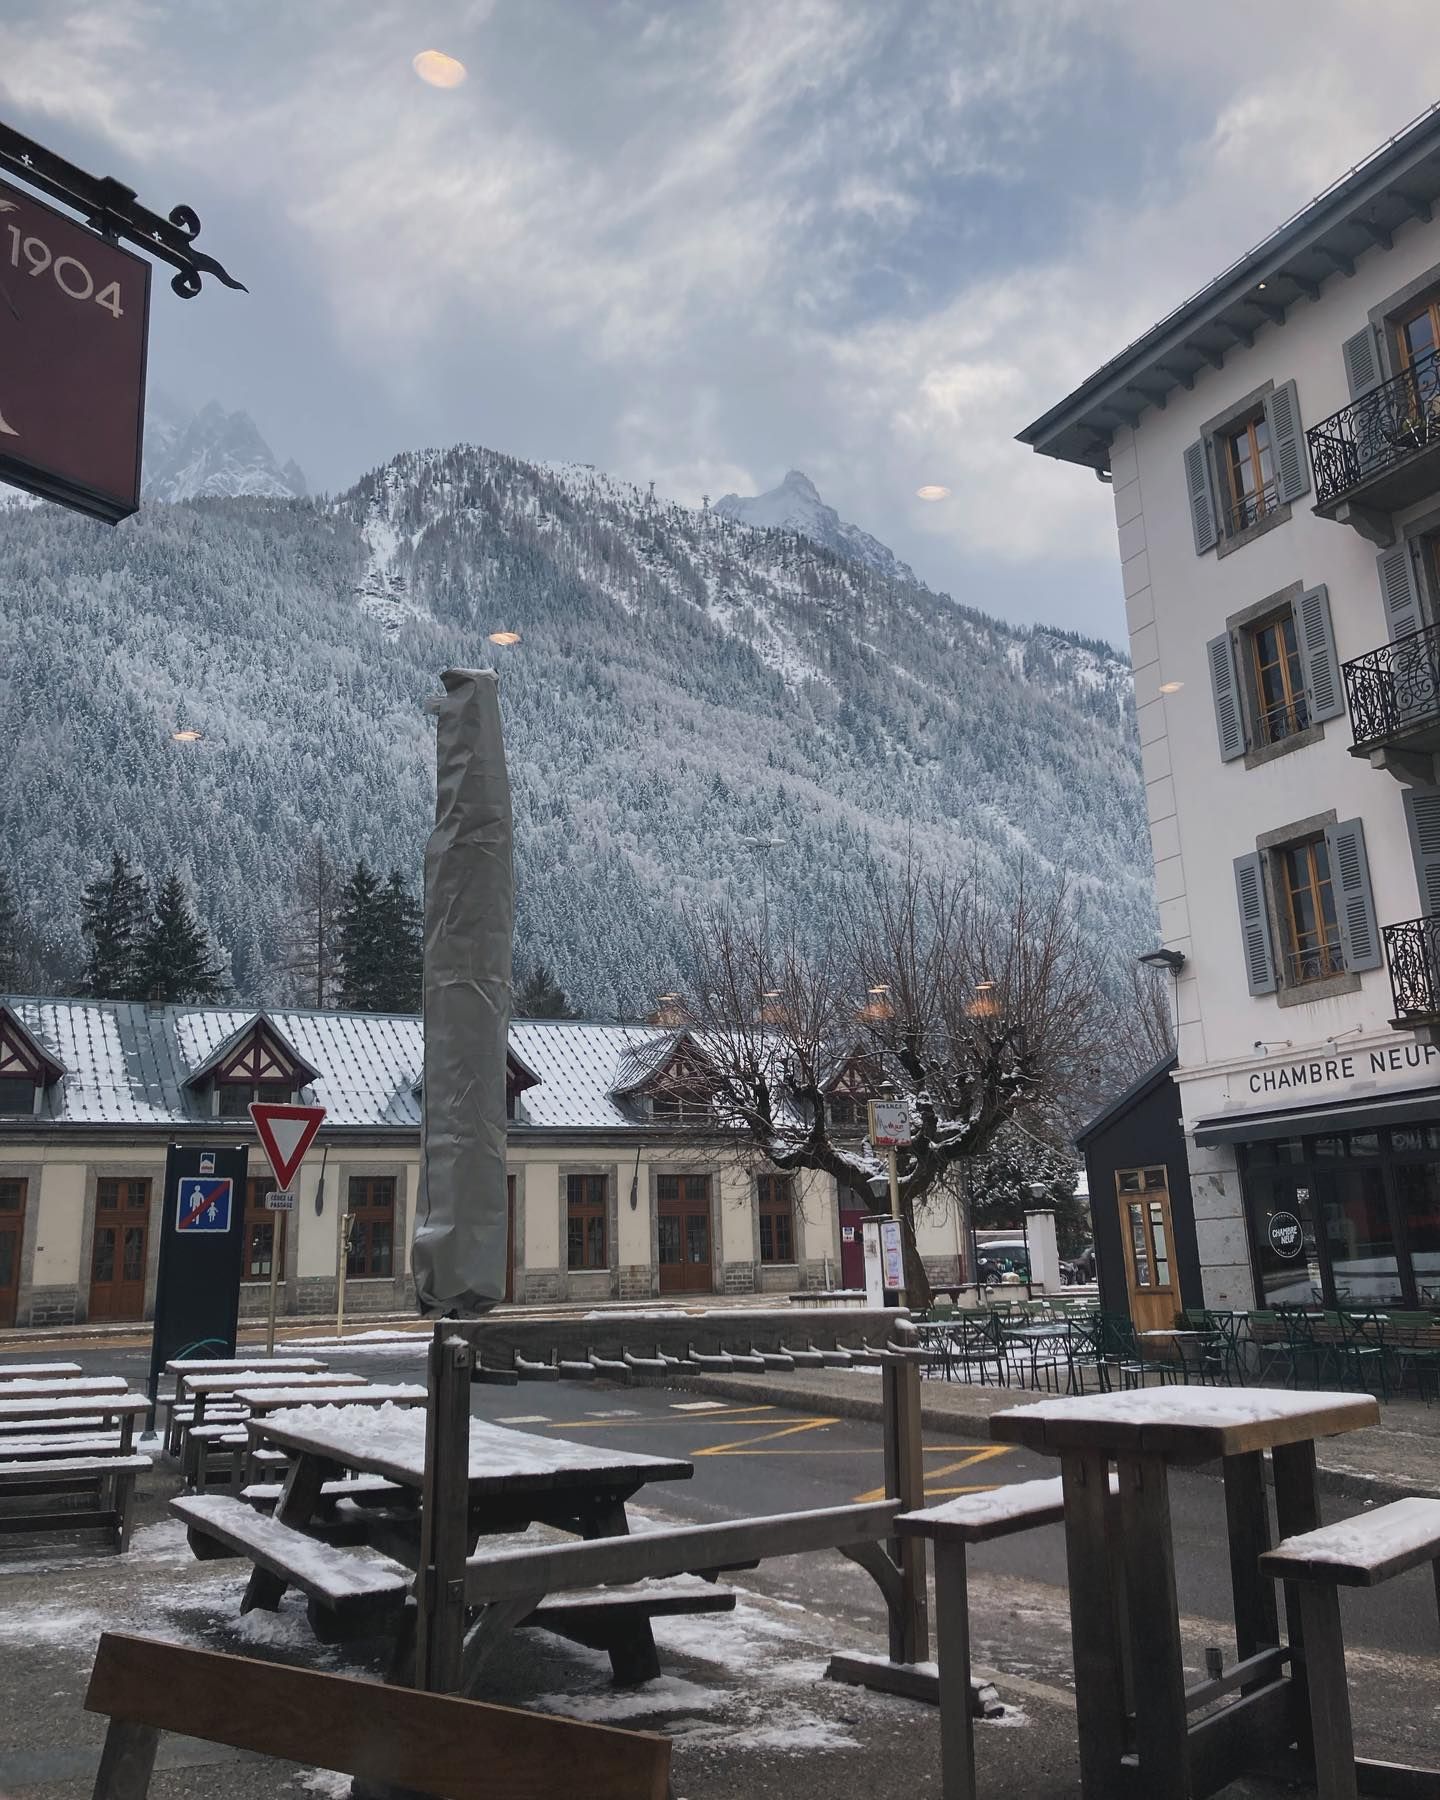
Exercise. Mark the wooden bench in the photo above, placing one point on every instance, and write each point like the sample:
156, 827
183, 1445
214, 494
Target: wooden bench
386, 1737
514, 1587
372, 1490
952, 1528
44, 1370
348, 1595
25, 1449
58, 1387
110, 1477
1358, 1552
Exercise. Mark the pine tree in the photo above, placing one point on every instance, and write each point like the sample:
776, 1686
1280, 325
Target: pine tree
175, 960
539, 995
311, 927
358, 949
11, 931
113, 909
401, 958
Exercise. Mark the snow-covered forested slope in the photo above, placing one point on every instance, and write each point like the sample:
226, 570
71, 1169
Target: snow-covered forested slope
684, 682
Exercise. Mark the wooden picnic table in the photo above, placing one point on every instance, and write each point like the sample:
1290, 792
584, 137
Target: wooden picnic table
123, 1407
51, 1463
44, 1371
1136, 1737
515, 1479
183, 1367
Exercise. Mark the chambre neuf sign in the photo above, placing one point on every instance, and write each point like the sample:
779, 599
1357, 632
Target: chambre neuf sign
1316, 1073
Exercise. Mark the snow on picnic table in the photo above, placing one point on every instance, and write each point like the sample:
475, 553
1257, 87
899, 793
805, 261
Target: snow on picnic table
389, 1439
1199, 1406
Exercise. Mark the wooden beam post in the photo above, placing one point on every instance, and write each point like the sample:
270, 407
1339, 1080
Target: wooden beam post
905, 1482
127, 1761
445, 1505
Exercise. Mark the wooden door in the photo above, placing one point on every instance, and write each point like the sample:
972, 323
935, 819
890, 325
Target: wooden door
683, 1234
1144, 1197
852, 1248
119, 1253
12, 1234
509, 1237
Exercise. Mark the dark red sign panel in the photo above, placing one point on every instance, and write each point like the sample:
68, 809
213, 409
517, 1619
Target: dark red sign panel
74, 311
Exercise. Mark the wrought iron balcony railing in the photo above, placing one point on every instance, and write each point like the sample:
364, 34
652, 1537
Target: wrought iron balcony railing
1390, 426
1412, 951
1394, 692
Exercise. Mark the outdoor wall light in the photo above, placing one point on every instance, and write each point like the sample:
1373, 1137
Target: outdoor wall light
1174, 960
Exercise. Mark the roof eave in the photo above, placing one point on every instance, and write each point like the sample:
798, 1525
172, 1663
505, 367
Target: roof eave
1400, 182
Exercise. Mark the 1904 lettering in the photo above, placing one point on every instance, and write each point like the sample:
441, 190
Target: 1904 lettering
70, 274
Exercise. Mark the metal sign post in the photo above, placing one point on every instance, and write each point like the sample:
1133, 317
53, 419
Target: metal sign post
889, 1129
344, 1232
280, 1204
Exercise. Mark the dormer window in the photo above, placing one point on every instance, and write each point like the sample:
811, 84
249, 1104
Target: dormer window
233, 1098
679, 1107
26, 1069
17, 1095
254, 1063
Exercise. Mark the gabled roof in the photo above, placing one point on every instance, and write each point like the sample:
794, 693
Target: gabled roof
46, 1061
1396, 183
1139, 1089
131, 1064
260, 1021
645, 1061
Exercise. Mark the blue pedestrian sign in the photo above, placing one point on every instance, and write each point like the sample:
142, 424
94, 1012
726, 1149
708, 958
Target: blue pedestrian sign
204, 1203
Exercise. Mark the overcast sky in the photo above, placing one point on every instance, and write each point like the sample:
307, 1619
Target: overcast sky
704, 241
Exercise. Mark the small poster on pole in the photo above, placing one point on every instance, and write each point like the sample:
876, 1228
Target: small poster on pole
889, 1124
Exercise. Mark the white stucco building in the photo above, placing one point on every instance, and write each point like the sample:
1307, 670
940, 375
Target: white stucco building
1273, 450
616, 1190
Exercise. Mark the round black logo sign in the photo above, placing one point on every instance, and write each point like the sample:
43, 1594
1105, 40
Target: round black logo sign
1286, 1237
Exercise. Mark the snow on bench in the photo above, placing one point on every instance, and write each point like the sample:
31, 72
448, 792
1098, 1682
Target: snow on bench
111, 1405
1000, 1512
335, 1580
22, 1449
1363, 1551
242, 1377
266, 1494
33, 1473
571, 1613
681, 1550
58, 1386
45, 1371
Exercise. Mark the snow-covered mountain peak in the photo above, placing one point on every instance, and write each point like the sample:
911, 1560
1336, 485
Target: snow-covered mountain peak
795, 505
213, 455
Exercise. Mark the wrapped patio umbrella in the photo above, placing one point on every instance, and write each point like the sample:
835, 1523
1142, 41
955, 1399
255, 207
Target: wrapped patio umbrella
460, 1250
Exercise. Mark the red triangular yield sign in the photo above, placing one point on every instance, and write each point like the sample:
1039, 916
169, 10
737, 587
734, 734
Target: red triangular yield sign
286, 1133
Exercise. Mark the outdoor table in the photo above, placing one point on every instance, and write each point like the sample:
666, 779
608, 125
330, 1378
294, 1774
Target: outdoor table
516, 1479
63, 1410
38, 1387
187, 1373
1126, 1577
1035, 1337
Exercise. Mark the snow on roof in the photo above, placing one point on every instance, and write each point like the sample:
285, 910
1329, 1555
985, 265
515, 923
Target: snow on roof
127, 1063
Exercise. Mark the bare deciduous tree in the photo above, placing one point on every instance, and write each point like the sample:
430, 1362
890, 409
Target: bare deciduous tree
974, 1009
311, 927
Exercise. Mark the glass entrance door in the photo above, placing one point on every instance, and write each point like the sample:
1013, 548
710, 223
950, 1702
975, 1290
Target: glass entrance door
682, 1234
1144, 1197
118, 1253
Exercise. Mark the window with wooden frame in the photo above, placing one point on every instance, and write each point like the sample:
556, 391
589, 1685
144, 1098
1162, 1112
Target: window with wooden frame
688, 1107
1308, 919
586, 1221
17, 1095
259, 1230
372, 1228
1144, 1210
776, 1201
845, 1112
233, 1097
1245, 457
1281, 705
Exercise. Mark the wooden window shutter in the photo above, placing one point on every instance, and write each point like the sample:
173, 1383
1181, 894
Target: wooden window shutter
1422, 816
1225, 688
1361, 355
1254, 924
1202, 497
1354, 902
1317, 648
1399, 591
1287, 442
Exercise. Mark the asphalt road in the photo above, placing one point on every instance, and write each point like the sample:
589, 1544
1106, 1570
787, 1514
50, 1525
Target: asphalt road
761, 1458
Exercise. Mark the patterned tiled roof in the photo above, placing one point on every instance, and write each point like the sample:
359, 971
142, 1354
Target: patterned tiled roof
128, 1063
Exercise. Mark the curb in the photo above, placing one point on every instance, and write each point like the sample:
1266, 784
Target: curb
1342, 1484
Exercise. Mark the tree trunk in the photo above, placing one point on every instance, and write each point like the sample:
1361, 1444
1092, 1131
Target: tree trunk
917, 1282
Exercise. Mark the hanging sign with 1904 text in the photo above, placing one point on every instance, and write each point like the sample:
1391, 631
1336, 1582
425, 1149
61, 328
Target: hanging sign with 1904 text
74, 312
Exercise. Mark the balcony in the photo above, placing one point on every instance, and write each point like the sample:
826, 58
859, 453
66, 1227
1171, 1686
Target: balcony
1412, 951
1393, 696
1380, 453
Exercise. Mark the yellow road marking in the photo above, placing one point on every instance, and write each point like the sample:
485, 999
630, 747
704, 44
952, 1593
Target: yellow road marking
983, 1454
745, 1446
736, 1413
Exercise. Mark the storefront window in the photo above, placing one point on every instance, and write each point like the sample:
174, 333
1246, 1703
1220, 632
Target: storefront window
1417, 1188
1276, 1150
1285, 1242
1358, 1236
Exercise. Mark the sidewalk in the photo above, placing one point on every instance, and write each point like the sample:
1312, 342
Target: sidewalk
1399, 1456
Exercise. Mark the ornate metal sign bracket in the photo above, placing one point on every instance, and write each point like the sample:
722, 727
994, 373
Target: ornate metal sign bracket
111, 208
